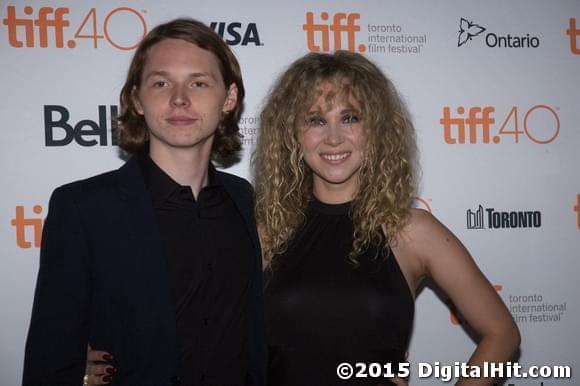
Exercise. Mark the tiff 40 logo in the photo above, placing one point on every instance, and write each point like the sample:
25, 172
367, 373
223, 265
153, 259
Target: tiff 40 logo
539, 124
49, 27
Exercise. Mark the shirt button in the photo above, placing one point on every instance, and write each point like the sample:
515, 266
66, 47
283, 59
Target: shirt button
205, 321
175, 380
210, 267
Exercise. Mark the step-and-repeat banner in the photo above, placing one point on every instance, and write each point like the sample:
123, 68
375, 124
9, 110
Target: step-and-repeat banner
493, 87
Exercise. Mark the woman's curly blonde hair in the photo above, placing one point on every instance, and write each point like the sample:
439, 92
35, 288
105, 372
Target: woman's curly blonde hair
284, 181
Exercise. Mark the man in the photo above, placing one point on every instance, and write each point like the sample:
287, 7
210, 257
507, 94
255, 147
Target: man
158, 262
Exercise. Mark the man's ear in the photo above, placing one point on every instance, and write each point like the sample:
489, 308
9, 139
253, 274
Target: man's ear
136, 102
231, 98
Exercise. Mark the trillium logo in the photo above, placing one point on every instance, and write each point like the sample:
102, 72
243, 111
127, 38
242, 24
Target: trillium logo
467, 30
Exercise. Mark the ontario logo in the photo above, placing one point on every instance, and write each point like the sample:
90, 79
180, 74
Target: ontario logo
490, 218
469, 29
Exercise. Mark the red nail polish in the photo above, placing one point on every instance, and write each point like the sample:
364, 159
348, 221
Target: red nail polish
107, 378
107, 357
111, 370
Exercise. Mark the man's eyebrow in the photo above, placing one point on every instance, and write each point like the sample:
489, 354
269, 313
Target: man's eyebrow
167, 74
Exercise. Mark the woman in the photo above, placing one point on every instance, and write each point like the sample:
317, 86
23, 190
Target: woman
344, 253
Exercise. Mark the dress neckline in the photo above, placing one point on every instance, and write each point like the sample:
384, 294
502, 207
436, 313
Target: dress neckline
332, 209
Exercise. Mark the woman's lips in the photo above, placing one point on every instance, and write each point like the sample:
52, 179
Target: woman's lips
335, 157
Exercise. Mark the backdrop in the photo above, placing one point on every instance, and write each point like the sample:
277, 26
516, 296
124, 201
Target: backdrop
492, 87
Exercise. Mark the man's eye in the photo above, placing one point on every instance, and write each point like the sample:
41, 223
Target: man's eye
160, 83
199, 84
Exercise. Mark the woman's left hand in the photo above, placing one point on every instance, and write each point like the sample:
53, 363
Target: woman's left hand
98, 371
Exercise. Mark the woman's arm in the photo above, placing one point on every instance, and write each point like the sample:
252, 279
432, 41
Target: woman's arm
441, 256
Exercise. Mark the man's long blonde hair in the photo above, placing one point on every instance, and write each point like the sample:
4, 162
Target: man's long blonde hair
284, 181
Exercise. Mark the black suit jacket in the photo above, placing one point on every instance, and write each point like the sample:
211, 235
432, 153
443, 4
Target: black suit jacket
103, 279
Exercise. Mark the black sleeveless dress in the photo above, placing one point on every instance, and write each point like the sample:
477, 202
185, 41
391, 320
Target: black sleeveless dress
322, 311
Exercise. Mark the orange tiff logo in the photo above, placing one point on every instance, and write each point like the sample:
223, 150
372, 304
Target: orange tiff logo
31, 224
319, 33
574, 34
540, 124
48, 17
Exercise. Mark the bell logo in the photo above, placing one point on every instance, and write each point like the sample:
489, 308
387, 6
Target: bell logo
48, 17
317, 32
22, 224
577, 210
57, 117
574, 34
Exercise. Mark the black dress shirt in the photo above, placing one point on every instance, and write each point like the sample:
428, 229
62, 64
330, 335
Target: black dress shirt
208, 254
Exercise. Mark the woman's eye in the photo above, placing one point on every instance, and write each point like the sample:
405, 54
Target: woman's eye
350, 118
315, 121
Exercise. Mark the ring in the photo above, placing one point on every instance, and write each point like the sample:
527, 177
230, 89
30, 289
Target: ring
86, 380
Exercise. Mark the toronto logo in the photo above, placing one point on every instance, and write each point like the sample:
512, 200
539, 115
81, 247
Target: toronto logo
468, 30
490, 218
